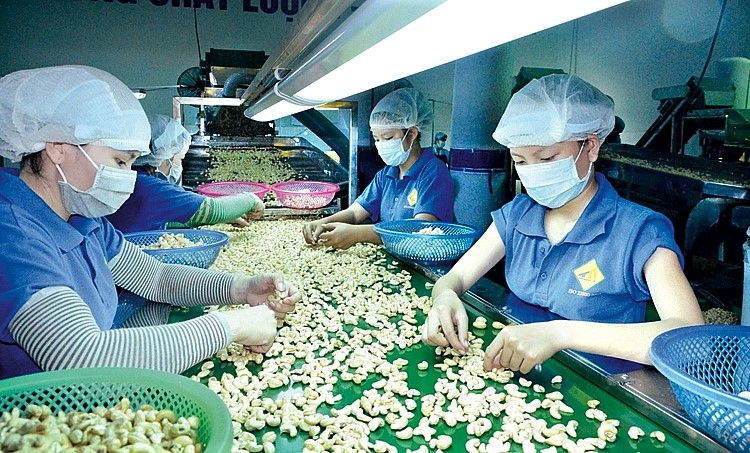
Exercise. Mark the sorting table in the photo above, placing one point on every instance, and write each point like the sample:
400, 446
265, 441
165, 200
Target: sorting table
358, 298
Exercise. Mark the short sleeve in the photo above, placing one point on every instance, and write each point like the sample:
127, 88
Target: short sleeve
435, 187
372, 196
656, 231
28, 267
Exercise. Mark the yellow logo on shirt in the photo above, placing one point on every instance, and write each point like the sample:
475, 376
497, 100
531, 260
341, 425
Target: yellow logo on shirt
412, 198
589, 275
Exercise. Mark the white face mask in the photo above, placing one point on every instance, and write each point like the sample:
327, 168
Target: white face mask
552, 184
111, 188
392, 151
174, 175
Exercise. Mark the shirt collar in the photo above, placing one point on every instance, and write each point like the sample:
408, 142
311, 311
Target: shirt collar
71, 233
592, 223
414, 170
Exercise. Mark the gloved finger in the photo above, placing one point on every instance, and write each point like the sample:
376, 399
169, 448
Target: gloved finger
293, 295
449, 332
307, 233
239, 222
261, 348
492, 354
431, 334
318, 230
327, 236
462, 326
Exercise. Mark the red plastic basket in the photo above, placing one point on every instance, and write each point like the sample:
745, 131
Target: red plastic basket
221, 189
304, 194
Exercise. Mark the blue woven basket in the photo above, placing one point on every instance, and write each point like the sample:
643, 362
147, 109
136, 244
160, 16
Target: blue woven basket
707, 367
201, 256
401, 240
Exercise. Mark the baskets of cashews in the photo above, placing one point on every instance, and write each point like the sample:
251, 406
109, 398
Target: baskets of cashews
430, 243
111, 409
191, 247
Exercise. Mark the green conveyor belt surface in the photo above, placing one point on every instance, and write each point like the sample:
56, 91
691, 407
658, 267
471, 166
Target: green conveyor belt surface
576, 389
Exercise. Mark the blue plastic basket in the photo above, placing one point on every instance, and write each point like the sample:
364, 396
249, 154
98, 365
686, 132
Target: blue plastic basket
707, 367
400, 238
201, 256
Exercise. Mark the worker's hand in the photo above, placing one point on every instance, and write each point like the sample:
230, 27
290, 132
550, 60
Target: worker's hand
447, 323
257, 212
254, 327
240, 222
254, 214
339, 235
267, 289
312, 230
522, 347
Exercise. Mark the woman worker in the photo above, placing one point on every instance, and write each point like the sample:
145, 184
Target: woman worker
571, 244
414, 183
76, 131
158, 201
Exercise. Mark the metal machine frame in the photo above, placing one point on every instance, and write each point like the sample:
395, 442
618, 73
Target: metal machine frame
179, 103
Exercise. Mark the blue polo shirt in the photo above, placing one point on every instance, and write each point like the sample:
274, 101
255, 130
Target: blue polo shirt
41, 250
153, 203
426, 188
595, 273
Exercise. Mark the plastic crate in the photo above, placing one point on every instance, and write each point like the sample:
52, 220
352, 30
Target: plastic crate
84, 389
222, 189
304, 194
708, 366
401, 239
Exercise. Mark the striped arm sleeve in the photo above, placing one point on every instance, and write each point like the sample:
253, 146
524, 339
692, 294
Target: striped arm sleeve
172, 284
220, 210
56, 328
152, 314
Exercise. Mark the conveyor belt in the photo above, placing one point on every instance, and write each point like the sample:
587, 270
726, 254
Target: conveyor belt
307, 161
578, 386
671, 183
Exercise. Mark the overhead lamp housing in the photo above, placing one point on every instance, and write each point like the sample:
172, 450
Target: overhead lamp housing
385, 40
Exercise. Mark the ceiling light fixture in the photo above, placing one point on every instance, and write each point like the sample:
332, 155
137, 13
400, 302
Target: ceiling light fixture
385, 40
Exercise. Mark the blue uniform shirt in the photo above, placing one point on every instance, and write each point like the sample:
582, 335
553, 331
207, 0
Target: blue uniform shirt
595, 273
41, 250
153, 203
426, 188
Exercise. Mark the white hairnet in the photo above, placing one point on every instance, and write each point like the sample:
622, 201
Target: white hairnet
68, 104
168, 138
402, 109
555, 108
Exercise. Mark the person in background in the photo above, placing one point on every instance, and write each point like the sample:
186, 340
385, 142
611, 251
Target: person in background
571, 244
158, 201
413, 185
76, 131
438, 146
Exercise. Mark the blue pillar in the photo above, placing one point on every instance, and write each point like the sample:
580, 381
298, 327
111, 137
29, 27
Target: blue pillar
481, 91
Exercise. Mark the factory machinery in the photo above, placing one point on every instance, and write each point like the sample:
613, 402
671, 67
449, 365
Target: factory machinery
705, 192
214, 88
